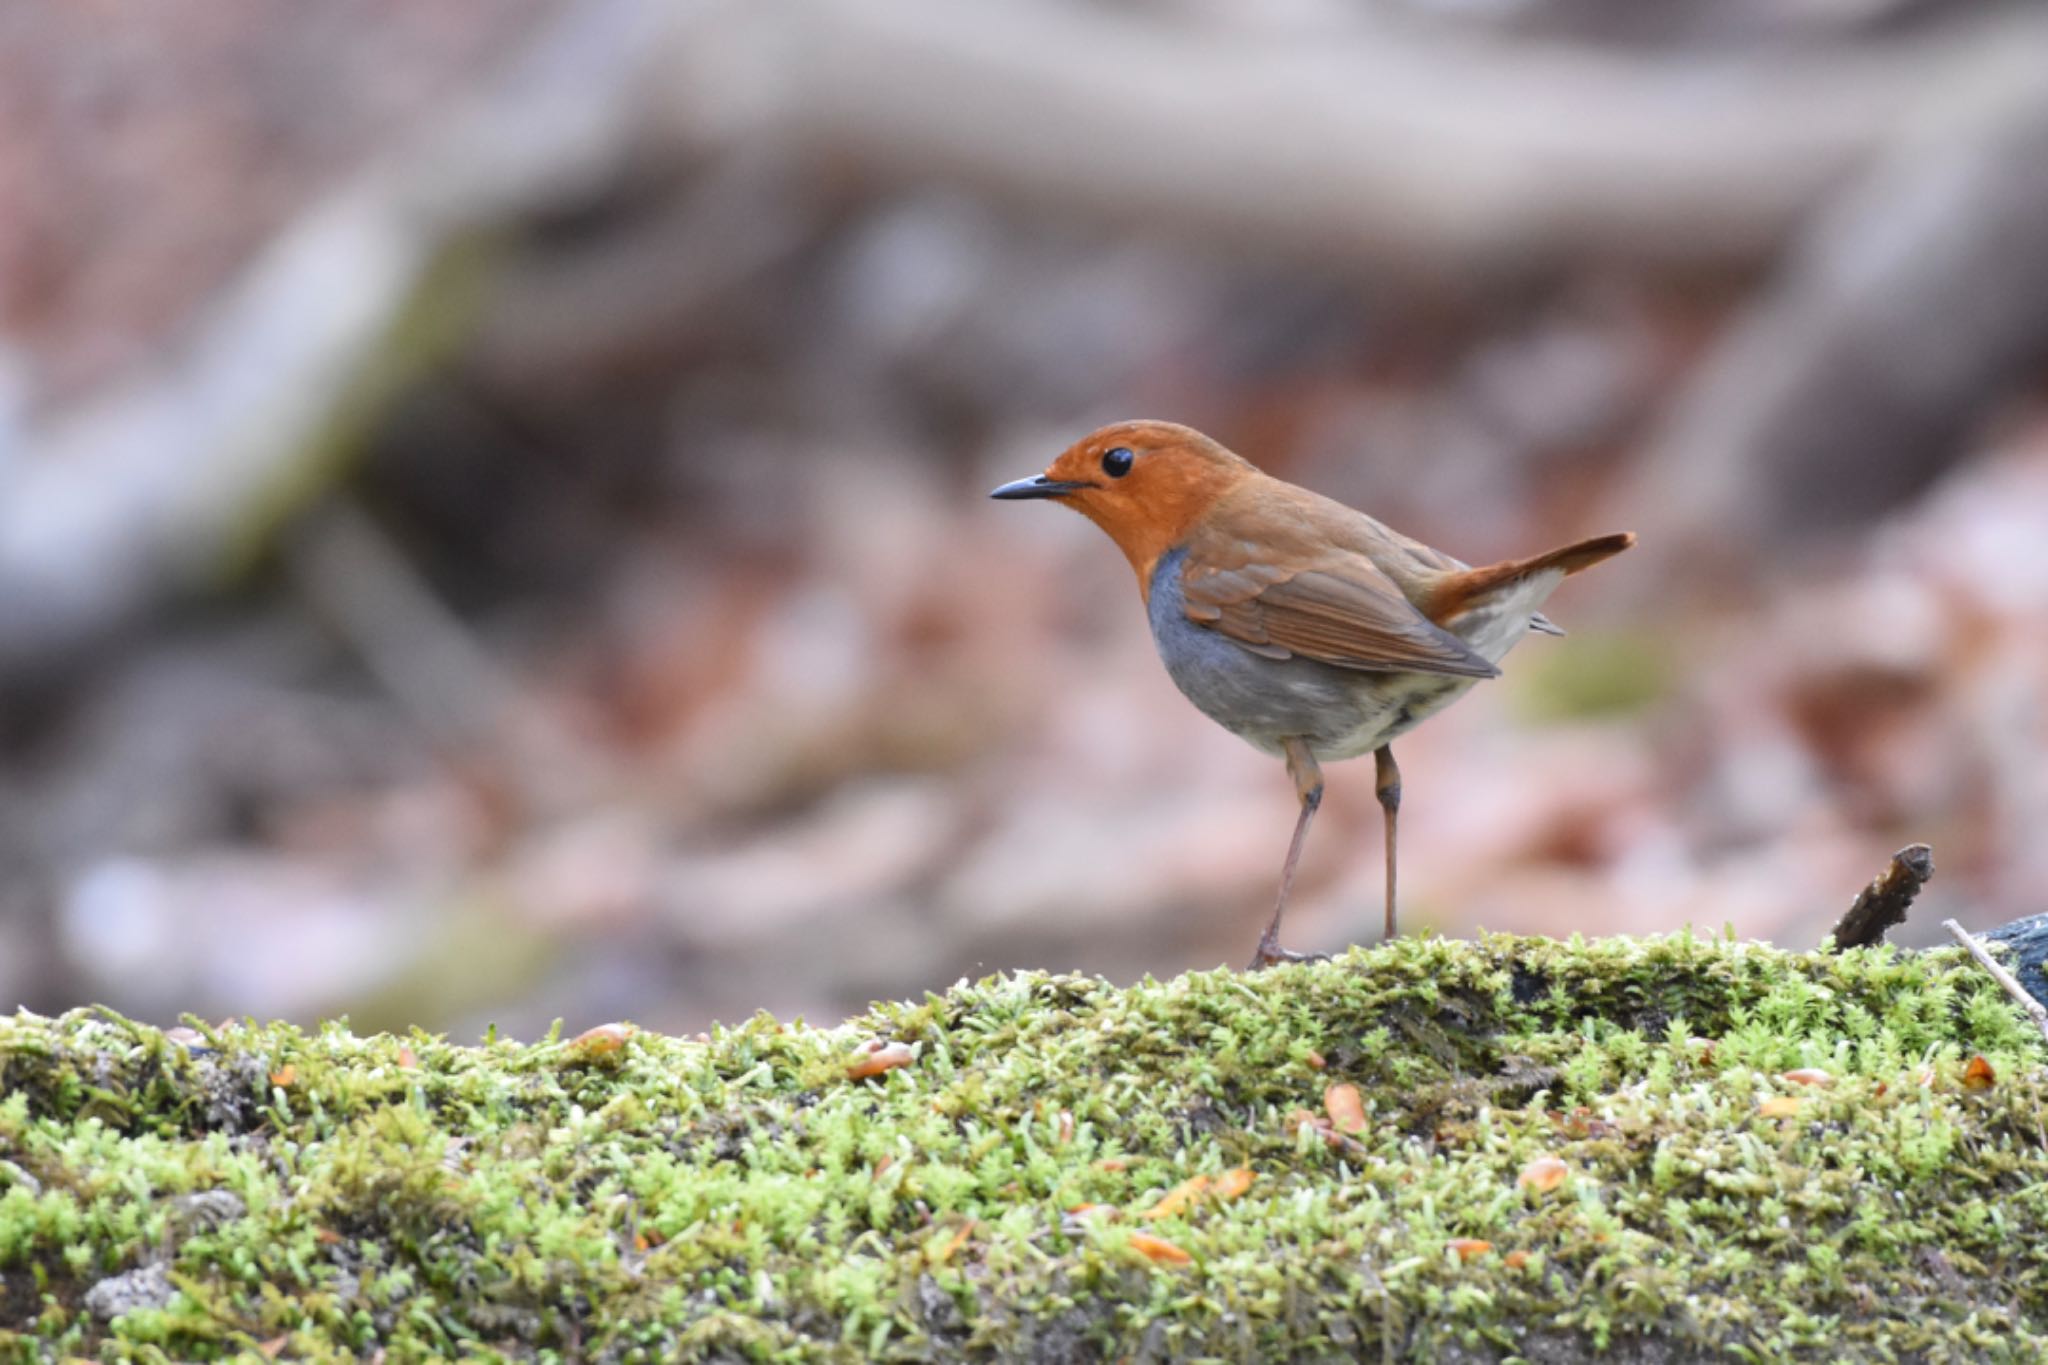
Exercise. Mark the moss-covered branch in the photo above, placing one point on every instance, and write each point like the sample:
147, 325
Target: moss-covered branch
328, 1196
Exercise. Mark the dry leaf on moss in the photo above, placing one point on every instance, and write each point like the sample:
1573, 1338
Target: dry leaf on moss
1158, 1249
1234, 1182
601, 1041
1178, 1198
878, 1055
1345, 1107
1543, 1174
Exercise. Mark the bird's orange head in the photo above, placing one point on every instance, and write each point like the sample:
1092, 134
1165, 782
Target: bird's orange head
1146, 483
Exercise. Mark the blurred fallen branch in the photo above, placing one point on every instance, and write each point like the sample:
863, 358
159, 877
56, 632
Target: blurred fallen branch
632, 296
150, 487
1883, 904
1427, 153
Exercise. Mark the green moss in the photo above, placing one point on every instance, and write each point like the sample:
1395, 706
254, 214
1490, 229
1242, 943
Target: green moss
740, 1198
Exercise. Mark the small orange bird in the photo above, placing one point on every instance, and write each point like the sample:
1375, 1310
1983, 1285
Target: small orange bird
1292, 621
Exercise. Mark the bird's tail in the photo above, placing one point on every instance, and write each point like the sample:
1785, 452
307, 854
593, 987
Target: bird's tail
1582, 554
1461, 590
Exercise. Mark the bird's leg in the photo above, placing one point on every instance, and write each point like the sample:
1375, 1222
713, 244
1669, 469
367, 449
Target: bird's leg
1308, 786
1387, 786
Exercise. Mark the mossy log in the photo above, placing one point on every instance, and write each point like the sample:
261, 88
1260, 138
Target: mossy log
1051, 1168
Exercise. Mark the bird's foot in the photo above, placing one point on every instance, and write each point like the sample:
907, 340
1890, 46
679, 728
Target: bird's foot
1271, 954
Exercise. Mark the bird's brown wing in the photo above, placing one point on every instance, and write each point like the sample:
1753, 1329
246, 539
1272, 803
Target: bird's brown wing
1339, 609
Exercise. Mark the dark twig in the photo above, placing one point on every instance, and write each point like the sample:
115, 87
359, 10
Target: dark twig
2034, 1008
1883, 904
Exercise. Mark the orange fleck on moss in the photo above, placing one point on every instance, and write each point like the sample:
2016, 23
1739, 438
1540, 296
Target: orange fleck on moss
1178, 1198
1158, 1249
603, 1040
1233, 1182
943, 1251
877, 1056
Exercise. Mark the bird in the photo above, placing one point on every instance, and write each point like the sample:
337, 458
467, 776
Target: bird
1297, 623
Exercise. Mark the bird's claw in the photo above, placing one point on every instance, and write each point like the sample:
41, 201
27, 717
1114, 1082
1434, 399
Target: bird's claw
1271, 954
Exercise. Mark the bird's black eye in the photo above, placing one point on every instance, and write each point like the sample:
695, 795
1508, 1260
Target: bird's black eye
1117, 463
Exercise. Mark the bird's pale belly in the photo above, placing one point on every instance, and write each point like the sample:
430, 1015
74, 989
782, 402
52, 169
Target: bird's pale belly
1340, 712
1388, 706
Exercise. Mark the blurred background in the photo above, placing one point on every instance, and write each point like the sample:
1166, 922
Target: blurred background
493, 516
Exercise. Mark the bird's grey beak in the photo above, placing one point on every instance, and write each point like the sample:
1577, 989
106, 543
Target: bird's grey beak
1037, 486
